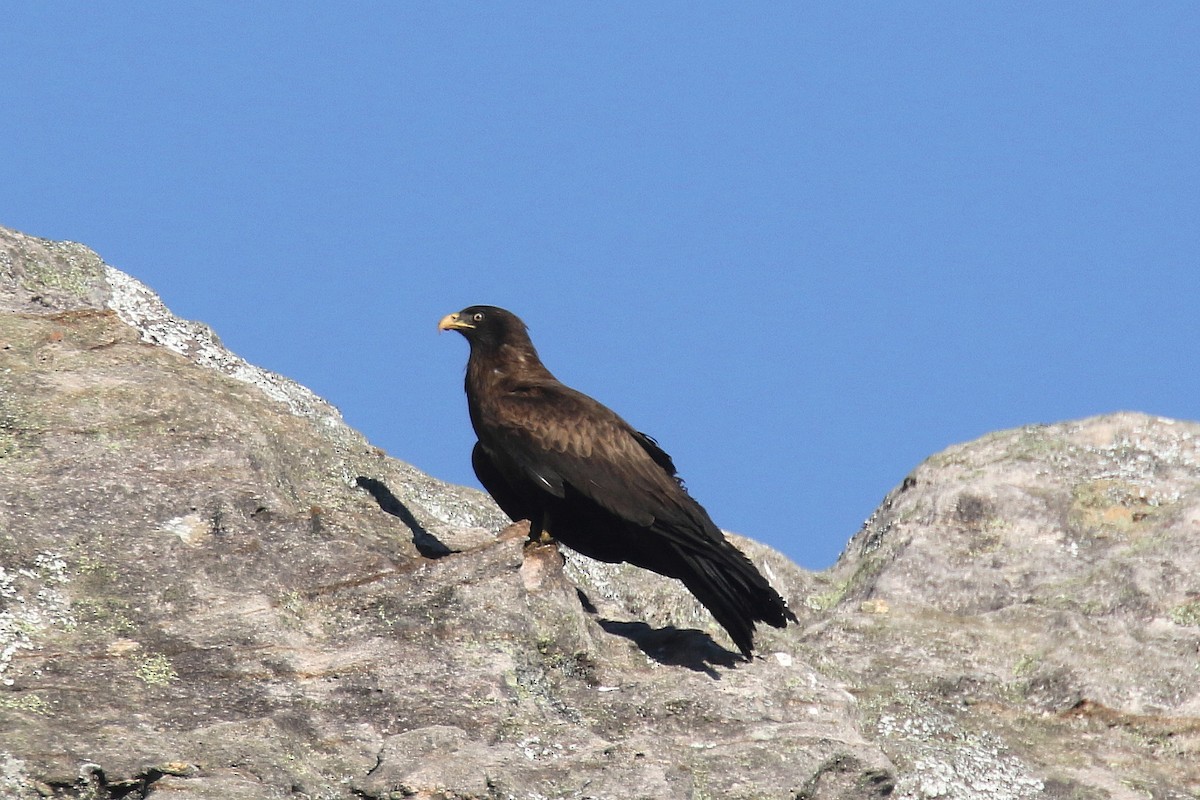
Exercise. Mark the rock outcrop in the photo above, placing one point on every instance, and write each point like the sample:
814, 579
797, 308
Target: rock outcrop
211, 587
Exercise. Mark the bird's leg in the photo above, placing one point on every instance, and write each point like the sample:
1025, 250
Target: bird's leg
539, 530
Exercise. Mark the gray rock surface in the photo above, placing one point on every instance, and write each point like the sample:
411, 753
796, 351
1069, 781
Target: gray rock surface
210, 587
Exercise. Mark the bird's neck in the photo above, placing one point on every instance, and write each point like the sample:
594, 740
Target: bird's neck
496, 375
504, 367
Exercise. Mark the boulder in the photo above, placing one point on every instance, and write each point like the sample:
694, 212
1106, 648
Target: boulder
211, 587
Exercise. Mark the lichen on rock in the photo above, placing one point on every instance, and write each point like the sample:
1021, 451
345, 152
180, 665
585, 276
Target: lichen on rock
211, 587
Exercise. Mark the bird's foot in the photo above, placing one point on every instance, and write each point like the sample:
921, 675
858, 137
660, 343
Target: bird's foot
539, 538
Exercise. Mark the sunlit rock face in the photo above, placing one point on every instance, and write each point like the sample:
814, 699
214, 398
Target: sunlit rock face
211, 587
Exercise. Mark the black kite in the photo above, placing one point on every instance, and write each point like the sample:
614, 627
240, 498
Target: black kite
581, 474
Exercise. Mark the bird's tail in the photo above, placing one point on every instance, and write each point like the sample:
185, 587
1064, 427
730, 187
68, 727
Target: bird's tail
734, 592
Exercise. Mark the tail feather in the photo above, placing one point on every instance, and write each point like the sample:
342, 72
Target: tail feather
735, 593
693, 550
728, 608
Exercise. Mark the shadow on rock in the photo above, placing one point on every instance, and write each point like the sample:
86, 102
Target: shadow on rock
676, 647
426, 543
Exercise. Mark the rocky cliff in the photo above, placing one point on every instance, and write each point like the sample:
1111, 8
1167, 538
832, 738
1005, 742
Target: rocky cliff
210, 587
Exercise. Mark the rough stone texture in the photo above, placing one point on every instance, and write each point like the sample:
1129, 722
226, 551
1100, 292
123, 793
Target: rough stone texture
210, 587
1034, 599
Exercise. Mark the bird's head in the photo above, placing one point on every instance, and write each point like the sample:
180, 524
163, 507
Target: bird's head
488, 326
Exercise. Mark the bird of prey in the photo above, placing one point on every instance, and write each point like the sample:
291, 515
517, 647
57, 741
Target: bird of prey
585, 477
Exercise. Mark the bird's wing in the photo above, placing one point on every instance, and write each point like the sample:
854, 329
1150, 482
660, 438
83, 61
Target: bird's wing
511, 501
562, 438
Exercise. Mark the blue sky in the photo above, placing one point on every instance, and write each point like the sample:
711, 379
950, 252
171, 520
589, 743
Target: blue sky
803, 245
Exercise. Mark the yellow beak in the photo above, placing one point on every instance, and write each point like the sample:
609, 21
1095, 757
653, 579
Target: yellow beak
453, 322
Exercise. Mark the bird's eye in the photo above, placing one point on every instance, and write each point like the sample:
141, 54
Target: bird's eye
478, 316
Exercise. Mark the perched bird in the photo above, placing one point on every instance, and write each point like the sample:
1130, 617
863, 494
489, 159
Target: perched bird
583, 476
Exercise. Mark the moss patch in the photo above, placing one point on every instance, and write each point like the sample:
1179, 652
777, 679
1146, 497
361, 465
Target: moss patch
1112, 506
1186, 614
156, 670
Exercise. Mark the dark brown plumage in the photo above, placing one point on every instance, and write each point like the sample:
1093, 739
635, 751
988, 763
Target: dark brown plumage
580, 473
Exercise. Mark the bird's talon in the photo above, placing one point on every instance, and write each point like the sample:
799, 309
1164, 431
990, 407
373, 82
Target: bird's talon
540, 539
